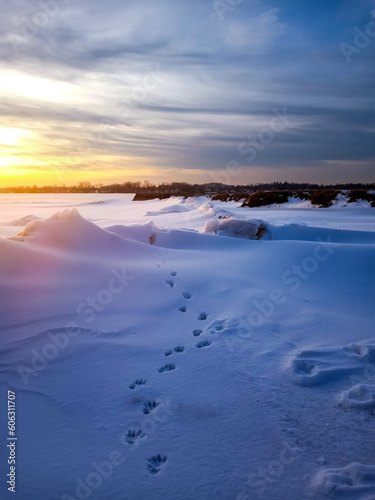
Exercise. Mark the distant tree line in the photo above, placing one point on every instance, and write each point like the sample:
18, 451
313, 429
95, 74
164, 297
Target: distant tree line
319, 197
146, 189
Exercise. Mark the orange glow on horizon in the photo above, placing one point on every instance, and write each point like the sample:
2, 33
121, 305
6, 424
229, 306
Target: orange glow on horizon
28, 171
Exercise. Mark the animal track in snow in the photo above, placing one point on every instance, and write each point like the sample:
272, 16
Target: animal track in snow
314, 367
197, 332
167, 368
173, 273
353, 481
361, 351
131, 436
183, 309
170, 283
203, 316
179, 348
138, 382
155, 463
149, 406
217, 326
203, 343
187, 295
360, 396
230, 327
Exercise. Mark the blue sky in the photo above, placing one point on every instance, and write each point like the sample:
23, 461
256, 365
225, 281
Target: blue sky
176, 90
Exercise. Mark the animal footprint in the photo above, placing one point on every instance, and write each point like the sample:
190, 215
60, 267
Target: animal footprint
183, 309
139, 381
315, 367
170, 283
203, 316
197, 332
360, 396
218, 326
155, 463
187, 295
173, 273
203, 343
362, 352
179, 348
356, 480
167, 368
169, 352
230, 327
132, 436
149, 406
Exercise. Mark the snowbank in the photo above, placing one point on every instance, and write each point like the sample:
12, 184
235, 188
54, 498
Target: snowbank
170, 210
24, 220
231, 226
210, 368
66, 230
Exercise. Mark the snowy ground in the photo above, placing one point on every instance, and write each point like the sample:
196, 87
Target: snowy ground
157, 352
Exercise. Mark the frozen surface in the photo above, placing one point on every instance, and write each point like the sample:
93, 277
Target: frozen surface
170, 350
175, 212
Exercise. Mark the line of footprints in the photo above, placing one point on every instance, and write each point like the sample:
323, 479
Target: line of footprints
156, 462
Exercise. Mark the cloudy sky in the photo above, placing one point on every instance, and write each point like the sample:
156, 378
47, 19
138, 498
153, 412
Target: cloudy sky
201, 90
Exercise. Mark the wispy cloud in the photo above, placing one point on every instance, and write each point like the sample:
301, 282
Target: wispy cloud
75, 67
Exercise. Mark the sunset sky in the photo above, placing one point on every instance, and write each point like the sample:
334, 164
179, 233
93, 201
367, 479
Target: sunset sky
199, 91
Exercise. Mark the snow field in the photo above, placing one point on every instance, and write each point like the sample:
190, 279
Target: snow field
191, 365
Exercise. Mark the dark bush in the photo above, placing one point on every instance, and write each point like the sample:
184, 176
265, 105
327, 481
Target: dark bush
265, 198
150, 196
238, 196
324, 197
302, 195
229, 197
220, 197
361, 194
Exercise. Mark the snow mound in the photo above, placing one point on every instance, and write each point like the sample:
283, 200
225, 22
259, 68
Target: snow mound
293, 202
170, 210
143, 233
231, 226
69, 215
207, 207
196, 200
43, 225
342, 201
355, 481
359, 396
213, 210
68, 230
24, 220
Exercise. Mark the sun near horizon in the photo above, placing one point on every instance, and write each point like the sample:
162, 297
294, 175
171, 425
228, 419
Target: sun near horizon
235, 103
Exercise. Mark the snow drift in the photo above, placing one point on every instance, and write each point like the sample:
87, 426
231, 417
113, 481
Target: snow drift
231, 226
165, 362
